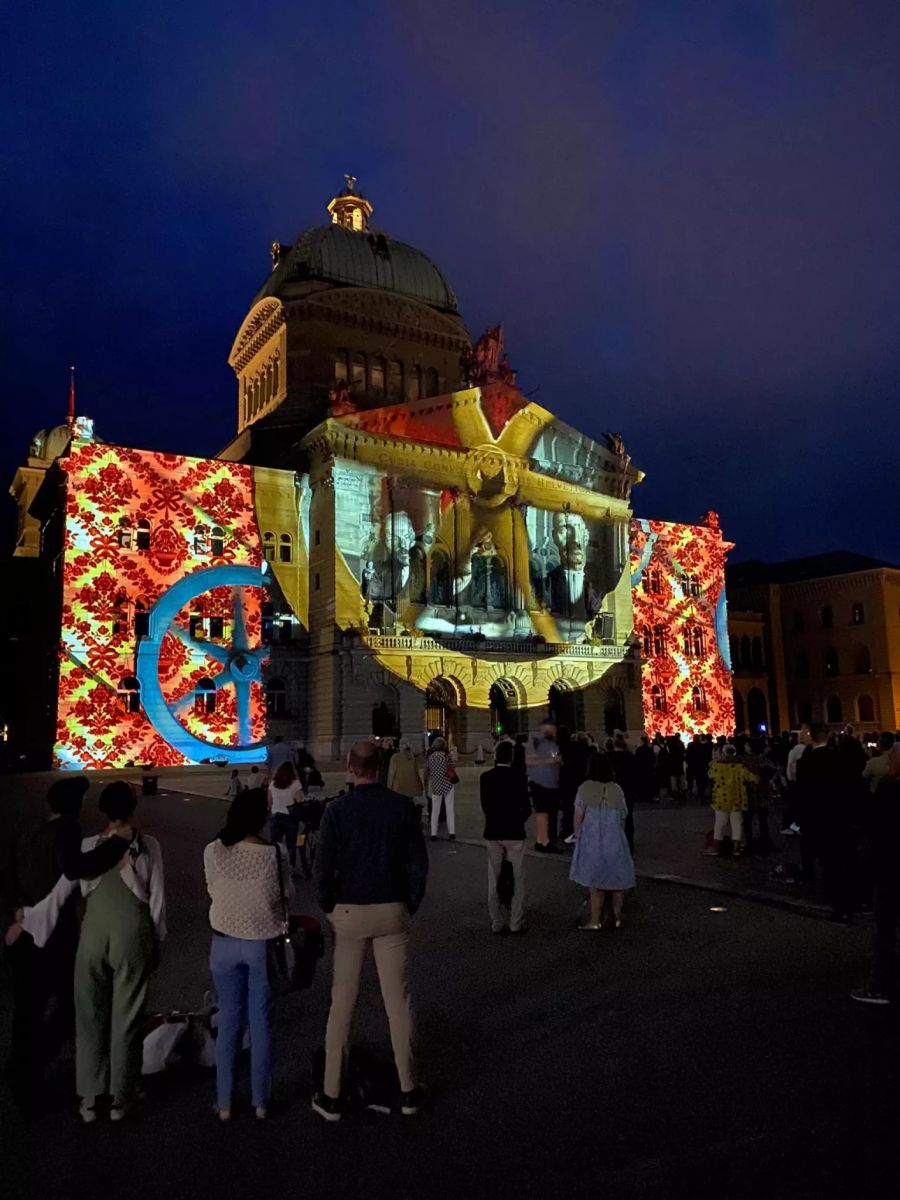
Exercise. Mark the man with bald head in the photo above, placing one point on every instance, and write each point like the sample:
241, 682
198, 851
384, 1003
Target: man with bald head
370, 878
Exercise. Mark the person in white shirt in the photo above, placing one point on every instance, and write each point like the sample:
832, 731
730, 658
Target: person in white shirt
285, 792
250, 885
124, 923
877, 767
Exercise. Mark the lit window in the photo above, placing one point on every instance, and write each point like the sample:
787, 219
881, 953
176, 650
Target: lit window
376, 375
216, 627
286, 548
129, 693
698, 699
659, 698
659, 641
413, 383
201, 540
358, 378
205, 696
858, 615
217, 541
648, 642
143, 535
651, 580
269, 547
124, 533
694, 642
197, 626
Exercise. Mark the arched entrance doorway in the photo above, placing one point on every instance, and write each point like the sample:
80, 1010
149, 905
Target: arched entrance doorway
613, 712
757, 710
739, 726
507, 714
442, 710
566, 706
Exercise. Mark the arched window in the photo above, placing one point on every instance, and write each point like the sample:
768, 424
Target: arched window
834, 710
797, 622
275, 369
756, 653
124, 533
659, 641
205, 696
395, 380
690, 585
831, 661
694, 642
201, 540
217, 541
857, 615
245, 403
141, 620
865, 707
648, 641
129, 693
441, 593
432, 383
698, 699
269, 547
658, 697
413, 383
341, 366
143, 535
802, 665
862, 661
827, 617
276, 698
376, 375
651, 580
358, 373
120, 615
285, 548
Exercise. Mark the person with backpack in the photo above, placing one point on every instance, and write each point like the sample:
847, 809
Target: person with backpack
249, 884
43, 976
506, 808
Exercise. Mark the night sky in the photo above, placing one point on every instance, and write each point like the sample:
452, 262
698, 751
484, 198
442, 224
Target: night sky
686, 214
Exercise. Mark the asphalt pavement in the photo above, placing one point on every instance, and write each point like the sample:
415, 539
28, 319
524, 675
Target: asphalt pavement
707, 1049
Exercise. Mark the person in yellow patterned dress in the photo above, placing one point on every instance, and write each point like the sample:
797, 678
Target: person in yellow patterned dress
729, 780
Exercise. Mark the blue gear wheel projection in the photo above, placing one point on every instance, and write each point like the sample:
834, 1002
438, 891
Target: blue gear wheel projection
241, 664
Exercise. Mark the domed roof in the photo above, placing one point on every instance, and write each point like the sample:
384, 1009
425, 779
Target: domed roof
333, 254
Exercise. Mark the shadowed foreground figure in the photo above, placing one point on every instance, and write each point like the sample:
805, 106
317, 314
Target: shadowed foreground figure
370, 878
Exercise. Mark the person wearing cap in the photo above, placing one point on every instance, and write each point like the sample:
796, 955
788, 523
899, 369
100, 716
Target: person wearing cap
43, 977
730, 780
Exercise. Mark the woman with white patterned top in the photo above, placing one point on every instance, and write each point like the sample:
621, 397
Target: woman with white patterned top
249, 883
440, 787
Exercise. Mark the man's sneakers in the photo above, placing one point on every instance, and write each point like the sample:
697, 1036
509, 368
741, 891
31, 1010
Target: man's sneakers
87, 1112
327, 1107
412, 1102
866, 995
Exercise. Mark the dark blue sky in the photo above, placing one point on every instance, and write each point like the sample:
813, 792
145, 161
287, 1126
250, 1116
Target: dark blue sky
685, 213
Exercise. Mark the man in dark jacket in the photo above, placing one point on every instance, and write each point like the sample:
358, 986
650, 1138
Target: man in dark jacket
827, 832
370, 871
506, 808
43, 978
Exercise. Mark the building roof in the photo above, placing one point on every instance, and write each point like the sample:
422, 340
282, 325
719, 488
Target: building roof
332, 254
797, 570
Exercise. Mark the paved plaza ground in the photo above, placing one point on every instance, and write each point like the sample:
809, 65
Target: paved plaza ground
694, 1053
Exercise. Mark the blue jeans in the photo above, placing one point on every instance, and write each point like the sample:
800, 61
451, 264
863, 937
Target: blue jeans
241, 977
283, 828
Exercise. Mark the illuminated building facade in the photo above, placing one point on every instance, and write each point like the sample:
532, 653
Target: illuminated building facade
396, 541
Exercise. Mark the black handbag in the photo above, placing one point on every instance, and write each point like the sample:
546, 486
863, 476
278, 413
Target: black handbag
292, 956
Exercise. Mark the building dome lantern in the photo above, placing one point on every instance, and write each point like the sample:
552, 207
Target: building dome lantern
350, 209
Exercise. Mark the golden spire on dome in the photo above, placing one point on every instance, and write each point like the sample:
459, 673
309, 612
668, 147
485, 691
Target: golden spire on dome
350, 209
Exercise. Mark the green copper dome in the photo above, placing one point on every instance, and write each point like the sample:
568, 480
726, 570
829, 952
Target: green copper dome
365, 258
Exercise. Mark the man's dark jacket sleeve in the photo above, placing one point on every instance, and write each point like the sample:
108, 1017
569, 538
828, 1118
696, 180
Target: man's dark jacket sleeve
326, 863
418, 860
92, 863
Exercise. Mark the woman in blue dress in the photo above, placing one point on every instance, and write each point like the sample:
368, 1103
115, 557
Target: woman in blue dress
602, 861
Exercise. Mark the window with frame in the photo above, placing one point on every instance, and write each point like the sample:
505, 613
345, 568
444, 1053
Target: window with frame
432, 382
125, 533
395, 380
269, 548
698, 699
217, 541
201, 540
143, 535
658, 698
647, 639
285, 548
694, 641
216, 628
141, 620
129, 694
358, 373
651, 580
205, 696
376, 375
196, 626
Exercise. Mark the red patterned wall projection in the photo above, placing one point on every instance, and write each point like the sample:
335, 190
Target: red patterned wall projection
681, 623
144, 530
